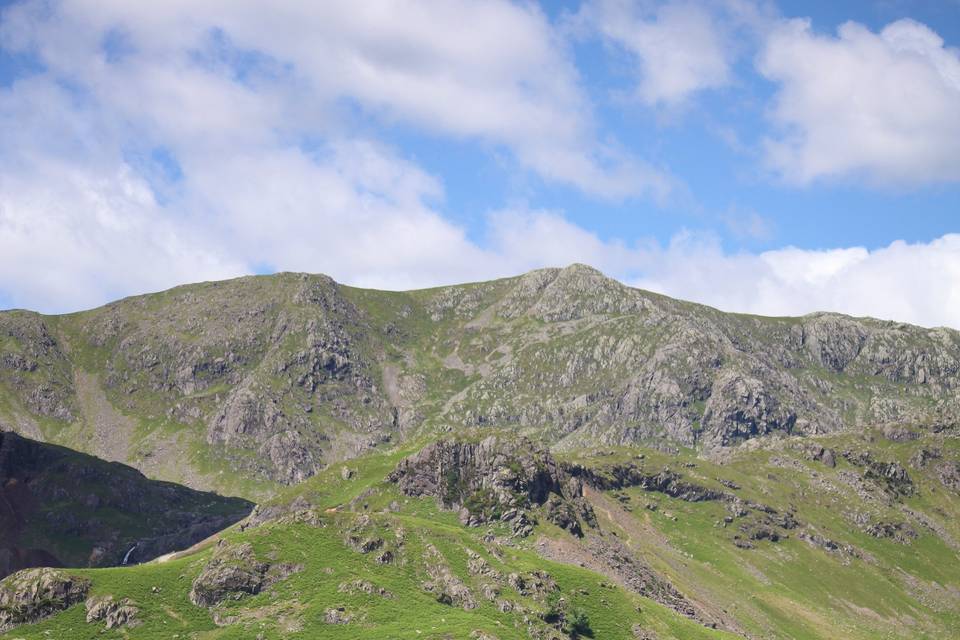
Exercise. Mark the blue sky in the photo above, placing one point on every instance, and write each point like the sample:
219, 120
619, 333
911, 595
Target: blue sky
765, 157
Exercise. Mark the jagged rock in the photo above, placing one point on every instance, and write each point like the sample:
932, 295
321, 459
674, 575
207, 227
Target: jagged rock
562, 514
758, 531
444, 584
493, 480
817, 540
113, 613
478, 566
899, 532
233, 573
622, 476
828, 458
819, 453
920, 459
742, 407
536, 584
892, 476
34, 594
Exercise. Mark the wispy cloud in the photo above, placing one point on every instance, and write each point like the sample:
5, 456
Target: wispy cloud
678, 48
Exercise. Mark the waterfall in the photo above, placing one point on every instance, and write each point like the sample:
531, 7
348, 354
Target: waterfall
127, 556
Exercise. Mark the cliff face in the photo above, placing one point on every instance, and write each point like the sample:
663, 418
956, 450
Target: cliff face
275, 377
62, 508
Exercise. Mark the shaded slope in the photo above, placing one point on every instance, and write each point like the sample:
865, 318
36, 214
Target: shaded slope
63, 508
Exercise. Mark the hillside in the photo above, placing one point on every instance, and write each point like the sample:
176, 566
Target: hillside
492, 537
247, 385
63, 508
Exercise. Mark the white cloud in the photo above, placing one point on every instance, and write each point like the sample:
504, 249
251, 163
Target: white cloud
494, 72
680, 48
881, 106
181, 141
917, 283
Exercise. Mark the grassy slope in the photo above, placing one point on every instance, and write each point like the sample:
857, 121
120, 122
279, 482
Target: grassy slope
791, 588
296, 607
788, 589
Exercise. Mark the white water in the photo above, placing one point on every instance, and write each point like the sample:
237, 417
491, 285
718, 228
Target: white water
127, 556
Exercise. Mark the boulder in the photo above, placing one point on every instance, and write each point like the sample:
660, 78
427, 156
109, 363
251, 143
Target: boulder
31, 595
114, 613
233, 573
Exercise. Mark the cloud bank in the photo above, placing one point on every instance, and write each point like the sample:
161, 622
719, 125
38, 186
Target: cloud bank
916, 283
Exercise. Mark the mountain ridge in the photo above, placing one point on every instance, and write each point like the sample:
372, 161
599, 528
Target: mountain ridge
275, 377
547, 457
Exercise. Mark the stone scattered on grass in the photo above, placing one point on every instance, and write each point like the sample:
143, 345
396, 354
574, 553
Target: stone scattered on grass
337, 615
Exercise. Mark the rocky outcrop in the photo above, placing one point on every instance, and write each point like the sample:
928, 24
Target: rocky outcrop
948, 473
235, 572
495, 479
892, 476
630, 474
34, 368
112, 613
34, 594
742, 407
444, 584
899, 532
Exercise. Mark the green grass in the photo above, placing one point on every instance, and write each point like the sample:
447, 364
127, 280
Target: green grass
787, 589
296, 606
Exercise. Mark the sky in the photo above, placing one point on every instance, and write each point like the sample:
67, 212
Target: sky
766, 157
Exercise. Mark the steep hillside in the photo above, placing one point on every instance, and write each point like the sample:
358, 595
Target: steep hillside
253, 383
473, 536
63, 508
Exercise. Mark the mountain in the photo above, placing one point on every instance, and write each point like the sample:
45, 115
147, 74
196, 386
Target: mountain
548, 457
63, 508
246, 385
